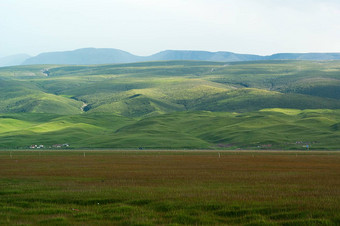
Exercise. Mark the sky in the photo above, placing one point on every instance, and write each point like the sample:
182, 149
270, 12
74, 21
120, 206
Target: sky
144, 27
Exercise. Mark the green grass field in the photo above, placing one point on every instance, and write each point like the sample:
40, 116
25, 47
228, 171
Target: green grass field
96, 187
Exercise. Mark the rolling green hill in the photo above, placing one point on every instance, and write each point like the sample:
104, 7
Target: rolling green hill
151, 88
172, 104
18, 96
269, 128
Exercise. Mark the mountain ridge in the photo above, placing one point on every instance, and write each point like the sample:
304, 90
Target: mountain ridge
90, 56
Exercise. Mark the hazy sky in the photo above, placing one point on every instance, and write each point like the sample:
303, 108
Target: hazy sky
144, 27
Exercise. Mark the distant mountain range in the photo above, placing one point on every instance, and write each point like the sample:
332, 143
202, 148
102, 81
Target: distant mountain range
13, 60
84, 57
111, 56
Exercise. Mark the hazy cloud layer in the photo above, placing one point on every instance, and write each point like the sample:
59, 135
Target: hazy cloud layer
147, 26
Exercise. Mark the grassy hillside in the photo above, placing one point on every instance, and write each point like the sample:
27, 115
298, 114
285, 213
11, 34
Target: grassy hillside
273, 128
25, 129
153, 88
159, 104
18, 96
269, 128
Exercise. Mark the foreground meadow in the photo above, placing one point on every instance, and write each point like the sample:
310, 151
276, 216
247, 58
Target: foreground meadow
169, 187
